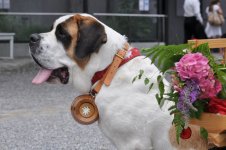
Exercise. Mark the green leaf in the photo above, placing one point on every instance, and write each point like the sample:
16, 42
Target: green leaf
134, 79
222, 93
149, 51
141, 74
150, 87
165, 55
161, 85
179, 125
179, 130
221, 76
146, 81
172, 107
203, 133
166, 64
200, 105
160, 100
174, 112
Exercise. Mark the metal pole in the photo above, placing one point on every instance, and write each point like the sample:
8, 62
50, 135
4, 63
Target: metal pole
163, 30
85, 6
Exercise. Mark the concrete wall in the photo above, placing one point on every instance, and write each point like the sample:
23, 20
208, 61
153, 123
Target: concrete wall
40, 5
97, 6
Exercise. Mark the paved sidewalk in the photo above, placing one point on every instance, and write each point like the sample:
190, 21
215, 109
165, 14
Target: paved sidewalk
17, 64
38, 117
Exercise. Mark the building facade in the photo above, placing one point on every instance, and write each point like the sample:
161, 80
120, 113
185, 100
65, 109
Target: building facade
137, 29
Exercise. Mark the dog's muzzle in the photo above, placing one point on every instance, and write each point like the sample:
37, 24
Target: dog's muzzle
34, 42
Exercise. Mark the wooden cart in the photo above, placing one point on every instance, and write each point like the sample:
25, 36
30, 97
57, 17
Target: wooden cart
215, 124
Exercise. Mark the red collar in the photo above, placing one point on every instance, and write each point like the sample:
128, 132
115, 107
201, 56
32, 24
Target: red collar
134, 52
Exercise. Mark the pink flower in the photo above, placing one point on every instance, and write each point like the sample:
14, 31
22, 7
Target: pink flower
209, 87
194, 66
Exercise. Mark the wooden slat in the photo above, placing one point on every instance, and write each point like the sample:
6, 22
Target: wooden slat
213, 123
217, 139
213, 43
224, 55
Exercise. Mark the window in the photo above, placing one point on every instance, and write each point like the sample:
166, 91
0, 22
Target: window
137, 29
4, 4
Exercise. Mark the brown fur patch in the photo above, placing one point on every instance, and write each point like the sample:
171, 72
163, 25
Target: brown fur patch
72, 26
194, 142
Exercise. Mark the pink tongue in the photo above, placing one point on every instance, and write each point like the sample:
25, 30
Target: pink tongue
42, 76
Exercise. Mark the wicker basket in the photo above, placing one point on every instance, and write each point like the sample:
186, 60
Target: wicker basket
215, 125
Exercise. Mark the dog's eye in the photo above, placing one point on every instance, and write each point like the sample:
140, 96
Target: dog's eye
63, 36
60, 32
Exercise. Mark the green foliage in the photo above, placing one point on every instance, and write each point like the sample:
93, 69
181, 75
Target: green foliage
166, 56
179, 125
161, 87
178, 120
204, 133
146, 80
141, 74
134, 79
201, 105
222, 94
150, 87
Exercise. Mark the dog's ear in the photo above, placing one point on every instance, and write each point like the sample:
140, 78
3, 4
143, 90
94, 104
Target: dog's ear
91, 35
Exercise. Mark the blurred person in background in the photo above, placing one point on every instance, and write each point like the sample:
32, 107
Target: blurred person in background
193, 21
213, 31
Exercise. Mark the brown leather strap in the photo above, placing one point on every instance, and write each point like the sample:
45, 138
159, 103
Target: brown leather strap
107, 78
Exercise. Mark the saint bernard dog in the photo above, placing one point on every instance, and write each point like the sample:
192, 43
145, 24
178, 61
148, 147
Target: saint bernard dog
78, 46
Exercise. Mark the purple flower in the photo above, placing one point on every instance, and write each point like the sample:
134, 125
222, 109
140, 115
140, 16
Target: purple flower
187, 96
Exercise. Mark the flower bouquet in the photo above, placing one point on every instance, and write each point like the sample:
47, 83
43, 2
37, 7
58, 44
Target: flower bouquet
198, 89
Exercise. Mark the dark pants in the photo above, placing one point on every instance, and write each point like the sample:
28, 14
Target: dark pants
193, 29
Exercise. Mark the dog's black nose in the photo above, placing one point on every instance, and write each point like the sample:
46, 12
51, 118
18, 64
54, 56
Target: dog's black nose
35, 38
34, 43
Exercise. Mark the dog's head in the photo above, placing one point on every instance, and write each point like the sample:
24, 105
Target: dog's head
71, 41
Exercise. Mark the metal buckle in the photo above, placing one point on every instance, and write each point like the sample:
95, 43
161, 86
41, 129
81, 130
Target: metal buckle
119, 56
93, 93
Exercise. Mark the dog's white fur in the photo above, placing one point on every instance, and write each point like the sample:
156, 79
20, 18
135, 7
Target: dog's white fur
128, 115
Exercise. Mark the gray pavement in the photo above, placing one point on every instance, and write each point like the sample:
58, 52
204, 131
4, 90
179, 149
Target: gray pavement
38, 117
17, 64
